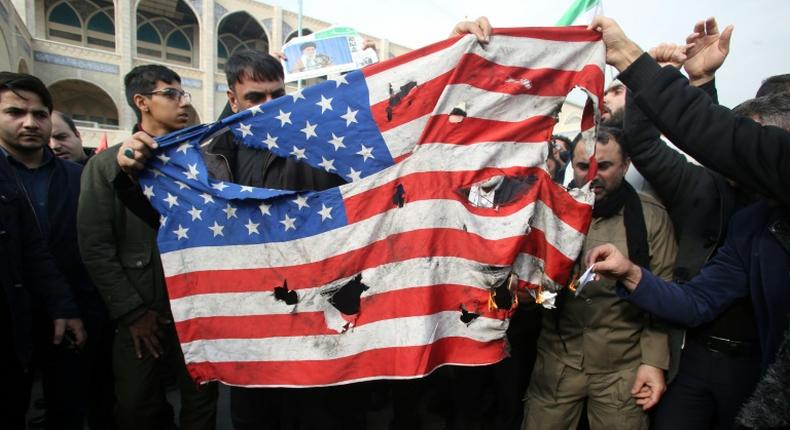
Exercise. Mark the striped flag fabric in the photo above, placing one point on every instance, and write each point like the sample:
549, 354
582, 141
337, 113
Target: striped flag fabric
414, 262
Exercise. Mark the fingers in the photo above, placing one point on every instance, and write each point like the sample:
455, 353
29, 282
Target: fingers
485, 26
711, 27
76, 327
699, 28
597, 254
59, 329
726, 36
649, 401
153, 345
135, 152
136, 341
469, 27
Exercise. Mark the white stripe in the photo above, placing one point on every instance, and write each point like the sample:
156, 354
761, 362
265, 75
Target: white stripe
416, 272
430, 214
439, 157
400, 332
402, 139
504, 50
485, 104
530, 269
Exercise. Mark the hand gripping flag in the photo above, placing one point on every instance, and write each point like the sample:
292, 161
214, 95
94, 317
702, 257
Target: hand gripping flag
413, 263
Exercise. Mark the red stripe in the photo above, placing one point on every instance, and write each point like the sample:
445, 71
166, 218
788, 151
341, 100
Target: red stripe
408, 302
397, 247
562, 34
479, 72
382, 363
576, 33
447, 185
556, 265
476, 130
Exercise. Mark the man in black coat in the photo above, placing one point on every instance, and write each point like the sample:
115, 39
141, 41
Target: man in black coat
30, 275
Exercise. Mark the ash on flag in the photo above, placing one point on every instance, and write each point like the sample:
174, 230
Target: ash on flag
411, 265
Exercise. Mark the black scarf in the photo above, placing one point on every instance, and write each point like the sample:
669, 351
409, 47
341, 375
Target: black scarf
633, 218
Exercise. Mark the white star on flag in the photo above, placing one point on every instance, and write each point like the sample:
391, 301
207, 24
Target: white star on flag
183, 147
339, 80
207, 198
337, 142
171, 200
181, 233
366, 152
219, 186
354, 175
256, 110
244, 129
298, 153
350, 116
251, 227
270, 141
288, 223
325, 103
309, 130
217, 229
297, 95
246, 189
192, 173
325, 212
230, 211
148, 191
328, 165
301, 202
265, 209
195, 212
163, 158
181, 185
284, 117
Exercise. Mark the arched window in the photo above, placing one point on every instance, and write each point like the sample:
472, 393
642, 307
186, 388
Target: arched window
178, 47
149, 42
222, 55
64, 23
101, 31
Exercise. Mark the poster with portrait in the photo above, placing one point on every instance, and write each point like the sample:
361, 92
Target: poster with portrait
326, 52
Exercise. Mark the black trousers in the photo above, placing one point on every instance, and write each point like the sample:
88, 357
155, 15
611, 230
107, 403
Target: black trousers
708, 391
326, 408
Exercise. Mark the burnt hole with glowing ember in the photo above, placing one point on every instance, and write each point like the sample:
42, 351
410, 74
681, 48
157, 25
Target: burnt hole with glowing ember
397, 97
347, 298
284, 294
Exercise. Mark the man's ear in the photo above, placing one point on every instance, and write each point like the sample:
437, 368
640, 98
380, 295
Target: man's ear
141, 102
234, 102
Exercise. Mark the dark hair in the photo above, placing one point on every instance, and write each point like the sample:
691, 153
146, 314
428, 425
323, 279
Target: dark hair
306, 45
567, 141
142, 79
607, 133
14, 82
773, 85
256, 65
69, 122
773, 109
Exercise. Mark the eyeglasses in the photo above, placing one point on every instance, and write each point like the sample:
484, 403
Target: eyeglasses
171, 93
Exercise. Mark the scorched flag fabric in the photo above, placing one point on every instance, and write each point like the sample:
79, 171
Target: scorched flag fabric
413, 263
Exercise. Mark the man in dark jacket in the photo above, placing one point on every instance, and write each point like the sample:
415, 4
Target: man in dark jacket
720, 363
755, 257
30, 275
122, 257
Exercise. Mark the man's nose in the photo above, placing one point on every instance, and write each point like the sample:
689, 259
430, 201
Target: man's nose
30, 121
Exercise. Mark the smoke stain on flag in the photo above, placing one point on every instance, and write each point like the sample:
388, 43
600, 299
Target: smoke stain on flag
396, 98
398, 198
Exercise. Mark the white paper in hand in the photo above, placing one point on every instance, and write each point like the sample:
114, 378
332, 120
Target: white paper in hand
585, 279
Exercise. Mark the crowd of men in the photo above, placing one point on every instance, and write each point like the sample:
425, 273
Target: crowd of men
686, 326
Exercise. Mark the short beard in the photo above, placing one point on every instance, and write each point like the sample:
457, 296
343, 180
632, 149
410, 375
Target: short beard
615, 119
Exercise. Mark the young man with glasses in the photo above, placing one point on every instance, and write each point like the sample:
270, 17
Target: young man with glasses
121, 254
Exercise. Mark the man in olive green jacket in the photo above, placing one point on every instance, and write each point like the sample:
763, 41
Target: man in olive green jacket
596, 347
120, 252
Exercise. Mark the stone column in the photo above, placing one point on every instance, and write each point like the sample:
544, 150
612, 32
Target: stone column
384, 50
208, 59
125, 42
276, 42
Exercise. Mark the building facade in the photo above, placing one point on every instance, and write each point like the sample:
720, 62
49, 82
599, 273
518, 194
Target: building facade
81, 49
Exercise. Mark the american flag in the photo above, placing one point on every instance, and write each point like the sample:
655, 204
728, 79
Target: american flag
405, 268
